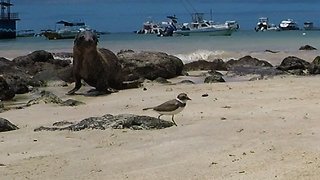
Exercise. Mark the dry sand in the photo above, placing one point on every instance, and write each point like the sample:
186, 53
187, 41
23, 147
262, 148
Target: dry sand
266, 129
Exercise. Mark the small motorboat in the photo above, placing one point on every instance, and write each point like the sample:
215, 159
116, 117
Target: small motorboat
264, 25
288, 24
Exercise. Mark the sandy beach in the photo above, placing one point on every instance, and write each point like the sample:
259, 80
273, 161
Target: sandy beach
265, 129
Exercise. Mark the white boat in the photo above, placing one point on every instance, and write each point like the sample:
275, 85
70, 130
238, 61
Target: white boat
288, 24
200, 26
264, 25
150, 27
65, 30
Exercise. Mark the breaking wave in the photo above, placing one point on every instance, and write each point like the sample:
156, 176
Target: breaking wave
201, 55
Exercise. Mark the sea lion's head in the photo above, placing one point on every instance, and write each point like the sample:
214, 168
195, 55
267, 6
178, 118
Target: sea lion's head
86, 39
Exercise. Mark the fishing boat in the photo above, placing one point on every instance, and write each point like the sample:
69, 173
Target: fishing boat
288, 24
149, 27
264, 25
200, 26
309, 26
65, 30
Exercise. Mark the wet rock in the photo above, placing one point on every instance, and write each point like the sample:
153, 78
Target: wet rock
122, 121
217, 64
293, 64
247, 61
307, 48
214, 77
6, 92
150, 65
6, 125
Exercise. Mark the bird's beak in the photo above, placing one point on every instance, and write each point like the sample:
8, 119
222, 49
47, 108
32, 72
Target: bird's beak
188, 98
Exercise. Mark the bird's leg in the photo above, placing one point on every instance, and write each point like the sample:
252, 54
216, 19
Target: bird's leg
160, 116
173, 121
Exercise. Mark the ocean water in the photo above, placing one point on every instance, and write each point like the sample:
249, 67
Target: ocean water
122, 17
188, 48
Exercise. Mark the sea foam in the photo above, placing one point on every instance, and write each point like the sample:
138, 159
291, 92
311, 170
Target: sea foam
201, 54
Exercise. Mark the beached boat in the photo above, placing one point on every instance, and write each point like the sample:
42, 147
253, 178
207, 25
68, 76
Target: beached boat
65, 30
200, 26
264, 25
288, 24
309, 26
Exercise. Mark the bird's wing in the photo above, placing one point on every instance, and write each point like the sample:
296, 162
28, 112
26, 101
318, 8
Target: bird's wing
167, 106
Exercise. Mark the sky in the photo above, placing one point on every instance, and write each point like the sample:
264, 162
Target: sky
128, 15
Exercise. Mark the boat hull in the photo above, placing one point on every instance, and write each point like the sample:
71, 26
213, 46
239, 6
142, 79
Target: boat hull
205, 32
56, 35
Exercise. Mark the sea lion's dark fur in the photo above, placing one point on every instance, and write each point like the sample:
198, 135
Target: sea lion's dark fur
99, 68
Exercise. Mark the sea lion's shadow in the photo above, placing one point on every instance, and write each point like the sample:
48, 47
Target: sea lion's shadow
92, 93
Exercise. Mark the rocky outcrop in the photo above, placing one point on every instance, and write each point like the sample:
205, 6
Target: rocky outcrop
6, 125
48, 97
149, 65
214, 77
247, 61
307, 48
32, 70
122, 121
314, 67
217, 64
294, 65
6, 92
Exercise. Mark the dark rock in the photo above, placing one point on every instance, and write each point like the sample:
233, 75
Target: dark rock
307, 48
162, 80
45, 97
217, 64
314, 67
293, 63
6, 125
62, 123
247, 61
214, 78
263, 71
71, 102
271, 51
204, 95
122, 51
49, 97
5, 65
63, 55
150, 65
121, 121
186, 82
6, 92
215, 73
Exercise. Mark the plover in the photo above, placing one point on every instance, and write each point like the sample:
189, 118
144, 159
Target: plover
171, 107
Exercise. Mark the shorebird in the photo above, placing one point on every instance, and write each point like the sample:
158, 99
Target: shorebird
171, 107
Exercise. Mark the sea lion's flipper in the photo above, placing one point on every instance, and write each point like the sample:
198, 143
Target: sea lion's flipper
76, 88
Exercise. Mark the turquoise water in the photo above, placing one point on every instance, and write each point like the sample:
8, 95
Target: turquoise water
248, 41
128, 15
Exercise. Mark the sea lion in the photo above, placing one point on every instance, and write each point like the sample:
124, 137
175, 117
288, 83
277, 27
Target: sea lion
100, 68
